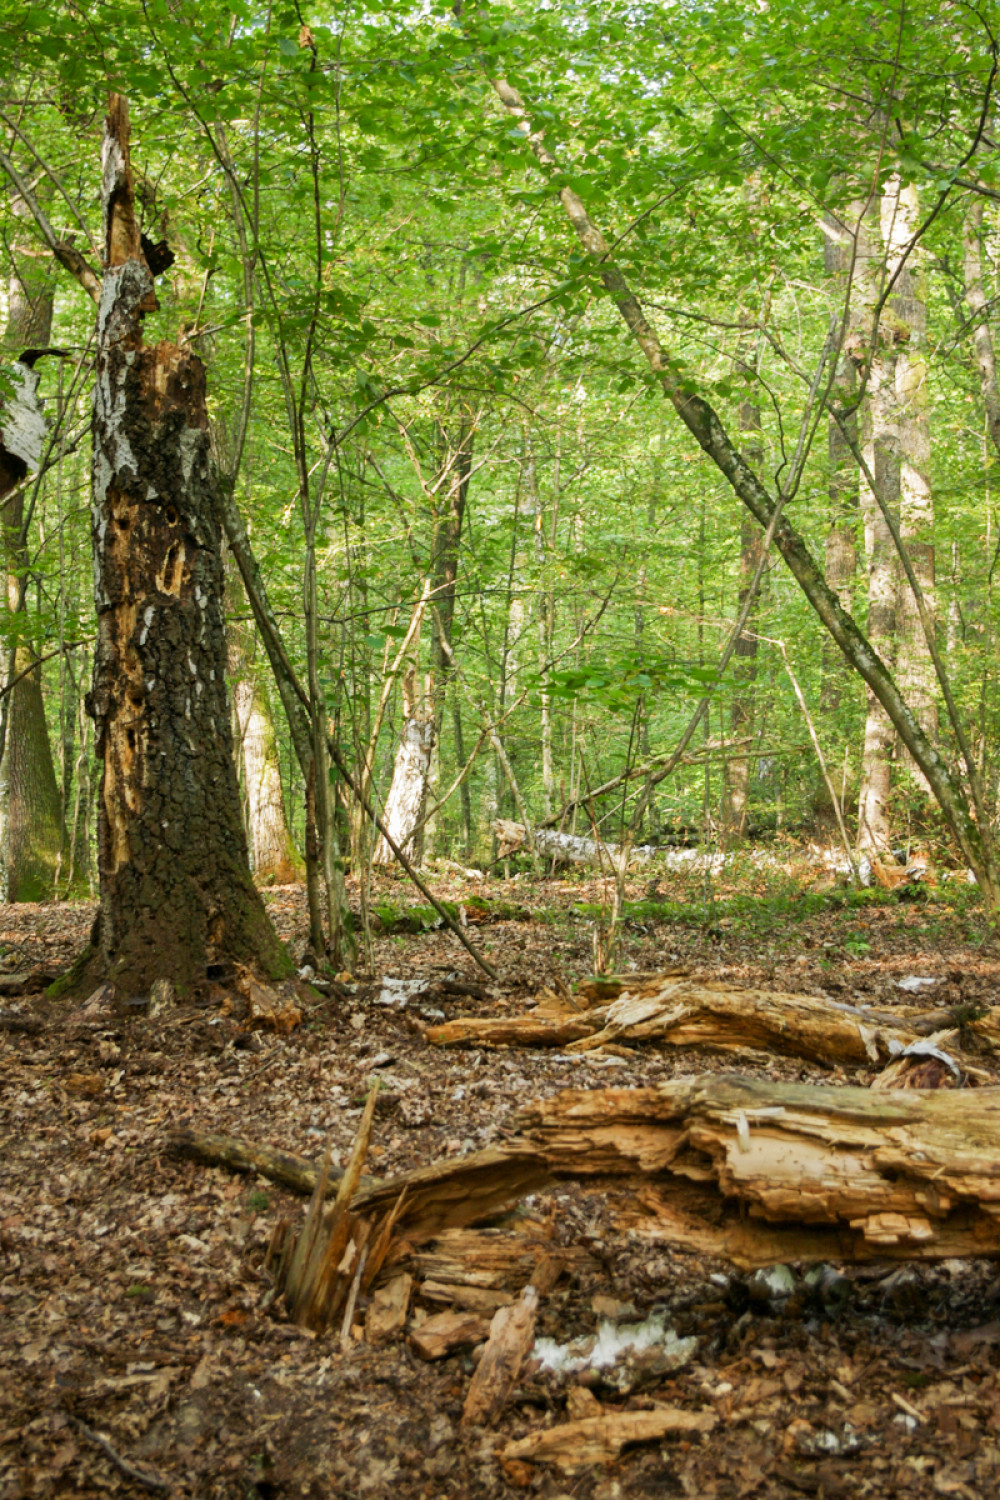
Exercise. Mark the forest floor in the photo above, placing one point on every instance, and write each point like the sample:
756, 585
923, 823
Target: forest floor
132, 1288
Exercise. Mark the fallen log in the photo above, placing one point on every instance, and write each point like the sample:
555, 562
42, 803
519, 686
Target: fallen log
762, 1172
565, 848
675, 1011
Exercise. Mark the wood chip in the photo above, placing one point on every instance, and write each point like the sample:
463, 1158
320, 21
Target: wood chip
443, 1333
386, 1314
599, 1440
512, 1333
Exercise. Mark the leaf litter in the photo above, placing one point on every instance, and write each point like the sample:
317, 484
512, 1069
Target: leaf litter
139, 1347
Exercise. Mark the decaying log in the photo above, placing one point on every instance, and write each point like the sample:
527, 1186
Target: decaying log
430, 1200
447, 1194
675, 1011
599, 1440
565, 848
512, 1333
295, 1172
763, 1172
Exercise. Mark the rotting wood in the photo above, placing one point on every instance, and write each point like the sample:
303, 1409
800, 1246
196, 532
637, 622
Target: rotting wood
763, 1172
512, 1333
444, 1333
599, 1440
426, 1202
283, 1167
485, 1300
675, 1011
752, 1171
386, 1312
316, 1273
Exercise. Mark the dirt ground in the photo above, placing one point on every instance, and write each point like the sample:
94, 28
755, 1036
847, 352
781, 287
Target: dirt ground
140, 1352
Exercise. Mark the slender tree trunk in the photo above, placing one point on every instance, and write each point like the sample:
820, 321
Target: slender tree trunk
176, 890
446, 554
30, 804
880, 444
275, 858
841, 563
908, 309
982, 337
736, 770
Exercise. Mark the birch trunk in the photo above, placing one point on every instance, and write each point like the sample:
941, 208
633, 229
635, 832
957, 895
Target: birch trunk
30, 805
275, 859
880, 445
405, 802
176, 890
908, 309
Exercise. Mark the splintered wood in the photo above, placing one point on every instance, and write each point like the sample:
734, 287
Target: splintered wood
336, 1253
671, 1010
766, 1172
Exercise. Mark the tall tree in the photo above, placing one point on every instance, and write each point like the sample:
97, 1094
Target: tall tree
176, 890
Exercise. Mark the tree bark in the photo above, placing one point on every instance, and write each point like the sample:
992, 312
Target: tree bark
30, 805
908, 309
275, 858
176, 890
736, 775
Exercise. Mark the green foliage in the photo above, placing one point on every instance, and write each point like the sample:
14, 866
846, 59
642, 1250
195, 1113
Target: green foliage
409, 269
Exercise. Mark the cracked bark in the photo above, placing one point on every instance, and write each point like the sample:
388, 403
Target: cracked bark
176, 891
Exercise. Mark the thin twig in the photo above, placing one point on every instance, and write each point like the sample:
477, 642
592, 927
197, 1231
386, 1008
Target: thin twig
141, 1476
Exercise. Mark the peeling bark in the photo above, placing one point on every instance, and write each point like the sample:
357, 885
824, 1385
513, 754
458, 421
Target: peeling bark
176, 891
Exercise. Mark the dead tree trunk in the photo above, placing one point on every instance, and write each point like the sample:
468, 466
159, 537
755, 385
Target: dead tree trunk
176, 891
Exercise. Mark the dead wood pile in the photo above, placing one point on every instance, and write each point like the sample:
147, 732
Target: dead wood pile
672, 1010
763, 1172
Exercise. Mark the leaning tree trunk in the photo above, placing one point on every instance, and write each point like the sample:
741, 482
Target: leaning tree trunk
176, 890
30, 806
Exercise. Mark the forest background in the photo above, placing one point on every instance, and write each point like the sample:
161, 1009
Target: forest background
443, 266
